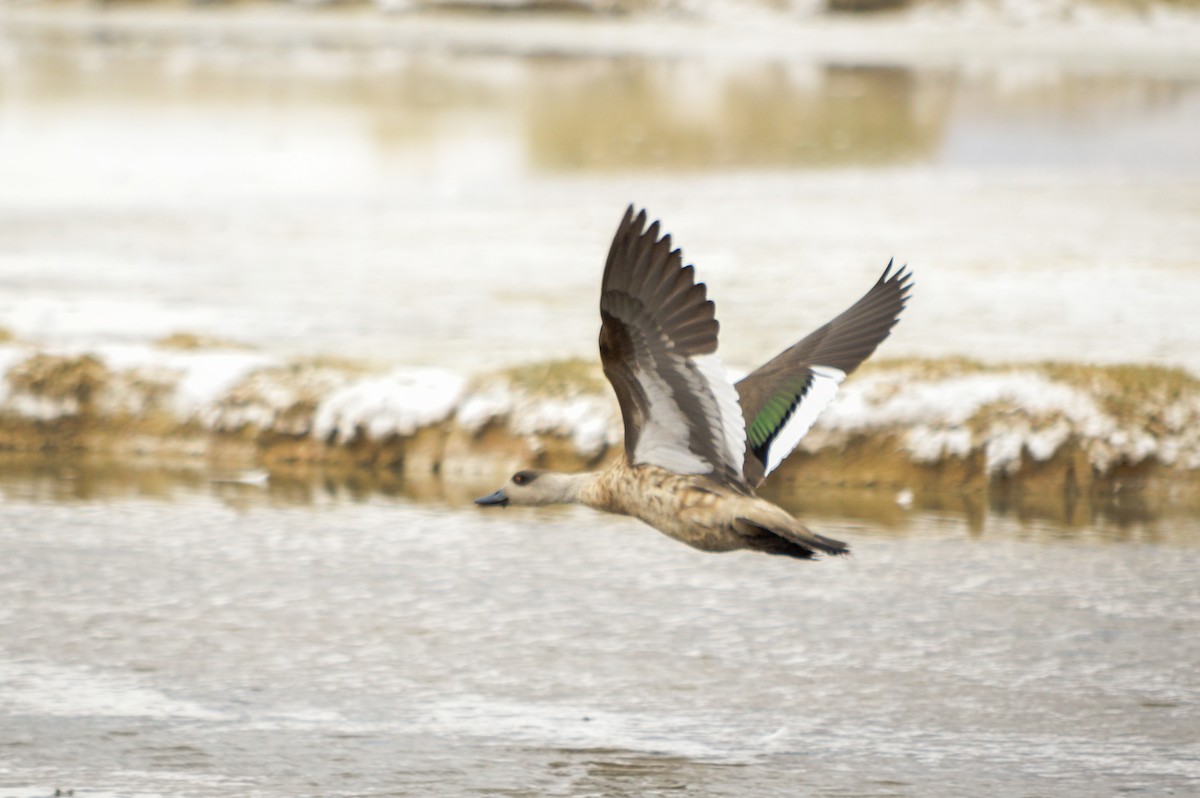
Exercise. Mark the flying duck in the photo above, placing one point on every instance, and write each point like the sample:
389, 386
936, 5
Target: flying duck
697, 445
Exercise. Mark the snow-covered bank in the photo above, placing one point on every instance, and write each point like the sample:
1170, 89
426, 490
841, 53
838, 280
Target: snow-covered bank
1122, 415
896, 424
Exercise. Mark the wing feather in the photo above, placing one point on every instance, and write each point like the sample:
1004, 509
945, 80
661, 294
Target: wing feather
658, 343
782, 398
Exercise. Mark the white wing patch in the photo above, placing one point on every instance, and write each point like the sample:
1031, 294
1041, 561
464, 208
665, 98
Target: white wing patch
826, 380
731, 423
664, 439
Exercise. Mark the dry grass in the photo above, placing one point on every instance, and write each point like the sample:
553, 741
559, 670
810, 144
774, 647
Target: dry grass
557, 377
1128, 392
60, 377
193, 341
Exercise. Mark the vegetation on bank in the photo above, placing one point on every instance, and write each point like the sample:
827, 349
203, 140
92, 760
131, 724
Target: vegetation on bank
923, 426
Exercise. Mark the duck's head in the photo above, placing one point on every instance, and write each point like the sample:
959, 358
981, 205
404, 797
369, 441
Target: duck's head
533, 488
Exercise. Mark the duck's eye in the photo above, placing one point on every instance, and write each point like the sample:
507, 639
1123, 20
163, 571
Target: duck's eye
524, 477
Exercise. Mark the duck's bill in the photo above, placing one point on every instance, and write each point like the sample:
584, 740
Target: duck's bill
498, 498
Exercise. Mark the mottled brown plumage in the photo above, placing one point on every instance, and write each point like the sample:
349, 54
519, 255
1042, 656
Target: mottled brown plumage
696, 447
697, 511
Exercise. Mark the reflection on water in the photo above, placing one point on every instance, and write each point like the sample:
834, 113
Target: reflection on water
653, 116
556, 114
1117, 518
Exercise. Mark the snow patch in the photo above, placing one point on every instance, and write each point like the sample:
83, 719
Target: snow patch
589, 420
481, 408
199, 378
1007, 415
399, 403
279, 399
926, 444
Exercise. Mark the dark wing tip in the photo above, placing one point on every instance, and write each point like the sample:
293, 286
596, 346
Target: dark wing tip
901, 279
903, 274
644, 266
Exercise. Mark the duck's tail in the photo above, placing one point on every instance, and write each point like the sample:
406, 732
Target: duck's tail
786, 536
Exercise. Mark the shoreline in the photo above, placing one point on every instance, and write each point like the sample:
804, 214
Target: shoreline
1048, 435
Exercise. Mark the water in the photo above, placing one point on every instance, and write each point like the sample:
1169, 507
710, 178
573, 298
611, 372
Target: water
425, 208
226, 640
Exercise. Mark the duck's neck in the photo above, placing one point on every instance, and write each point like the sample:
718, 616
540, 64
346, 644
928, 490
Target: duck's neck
601, 490
571, 488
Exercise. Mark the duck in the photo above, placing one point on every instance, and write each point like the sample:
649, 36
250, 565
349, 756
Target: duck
697, 445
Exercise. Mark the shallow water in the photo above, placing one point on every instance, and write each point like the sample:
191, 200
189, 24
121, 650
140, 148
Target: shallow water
228, 641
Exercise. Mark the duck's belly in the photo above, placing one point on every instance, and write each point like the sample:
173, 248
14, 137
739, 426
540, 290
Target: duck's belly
683, 507
697, 530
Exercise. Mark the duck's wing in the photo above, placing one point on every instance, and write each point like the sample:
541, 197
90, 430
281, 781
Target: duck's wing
658, 343
782, 398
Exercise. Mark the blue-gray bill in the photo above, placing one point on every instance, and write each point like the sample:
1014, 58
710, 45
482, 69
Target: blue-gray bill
498, 498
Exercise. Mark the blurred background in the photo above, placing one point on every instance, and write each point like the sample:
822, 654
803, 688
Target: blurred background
409, 187
284, 284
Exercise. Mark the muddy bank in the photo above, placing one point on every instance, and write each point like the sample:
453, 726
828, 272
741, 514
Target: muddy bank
1034, 434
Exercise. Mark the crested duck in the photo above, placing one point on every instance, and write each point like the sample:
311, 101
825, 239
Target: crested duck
697, 445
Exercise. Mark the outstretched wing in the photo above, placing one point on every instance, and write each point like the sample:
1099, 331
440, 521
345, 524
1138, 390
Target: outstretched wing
658, 344
782, 399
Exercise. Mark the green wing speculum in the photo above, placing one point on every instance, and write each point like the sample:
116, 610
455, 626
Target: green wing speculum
774, 414
781, 399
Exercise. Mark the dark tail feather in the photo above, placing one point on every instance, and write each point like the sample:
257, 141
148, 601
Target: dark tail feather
799, 543
830, 546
